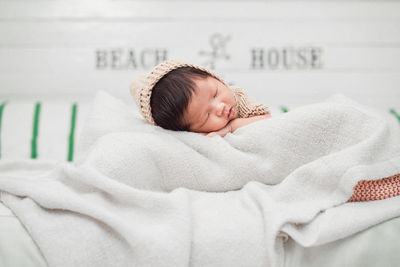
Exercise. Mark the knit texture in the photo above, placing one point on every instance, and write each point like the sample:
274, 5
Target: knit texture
376, 189
245, 106
142, 86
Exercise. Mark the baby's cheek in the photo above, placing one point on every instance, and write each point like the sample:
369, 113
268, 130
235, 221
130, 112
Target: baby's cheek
218, 123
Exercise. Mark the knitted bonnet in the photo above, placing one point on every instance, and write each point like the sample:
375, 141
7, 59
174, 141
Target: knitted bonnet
142, 86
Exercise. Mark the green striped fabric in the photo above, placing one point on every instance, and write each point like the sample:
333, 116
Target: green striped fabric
394, 113
69, 130
37, 124
70, 156
35, 130
284, 109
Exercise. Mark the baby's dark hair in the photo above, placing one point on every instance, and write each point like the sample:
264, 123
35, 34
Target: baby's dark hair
171, 95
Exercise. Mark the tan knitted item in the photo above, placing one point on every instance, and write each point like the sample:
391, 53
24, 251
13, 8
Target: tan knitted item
142, 86
245, 106
369, 190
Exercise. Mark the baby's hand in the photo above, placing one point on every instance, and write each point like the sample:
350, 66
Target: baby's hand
224, 131
234, 124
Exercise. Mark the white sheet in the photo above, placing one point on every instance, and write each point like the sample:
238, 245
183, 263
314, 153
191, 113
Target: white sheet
17, 248
375, 246
110, 212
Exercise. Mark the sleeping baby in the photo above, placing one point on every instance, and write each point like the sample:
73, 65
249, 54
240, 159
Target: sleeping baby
184, 97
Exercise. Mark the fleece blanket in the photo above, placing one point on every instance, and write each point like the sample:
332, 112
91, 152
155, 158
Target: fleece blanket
140, 195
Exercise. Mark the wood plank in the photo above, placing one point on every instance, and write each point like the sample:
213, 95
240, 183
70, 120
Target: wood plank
70, 34
293, 89
178, 10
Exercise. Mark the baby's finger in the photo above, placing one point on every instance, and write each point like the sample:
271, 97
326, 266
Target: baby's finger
211, 134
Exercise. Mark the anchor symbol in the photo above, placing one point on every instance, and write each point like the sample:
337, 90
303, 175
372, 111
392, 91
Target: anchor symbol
218, 46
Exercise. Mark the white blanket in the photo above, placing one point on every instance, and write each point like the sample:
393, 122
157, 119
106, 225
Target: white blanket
123, 203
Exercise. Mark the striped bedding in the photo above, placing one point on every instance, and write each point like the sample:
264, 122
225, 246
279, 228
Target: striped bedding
40, 130
49, 129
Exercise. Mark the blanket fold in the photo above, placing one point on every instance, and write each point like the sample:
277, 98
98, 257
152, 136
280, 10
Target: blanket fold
140, 195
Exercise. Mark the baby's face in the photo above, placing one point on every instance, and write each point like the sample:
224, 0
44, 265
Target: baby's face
211, 107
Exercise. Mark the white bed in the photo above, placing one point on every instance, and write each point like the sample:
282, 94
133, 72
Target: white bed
376, 246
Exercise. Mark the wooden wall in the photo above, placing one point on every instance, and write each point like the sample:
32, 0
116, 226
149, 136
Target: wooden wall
282, 52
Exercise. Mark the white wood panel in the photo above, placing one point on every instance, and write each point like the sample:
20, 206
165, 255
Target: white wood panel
48, 48
293, 89
330, 59
78, 33
193, 10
